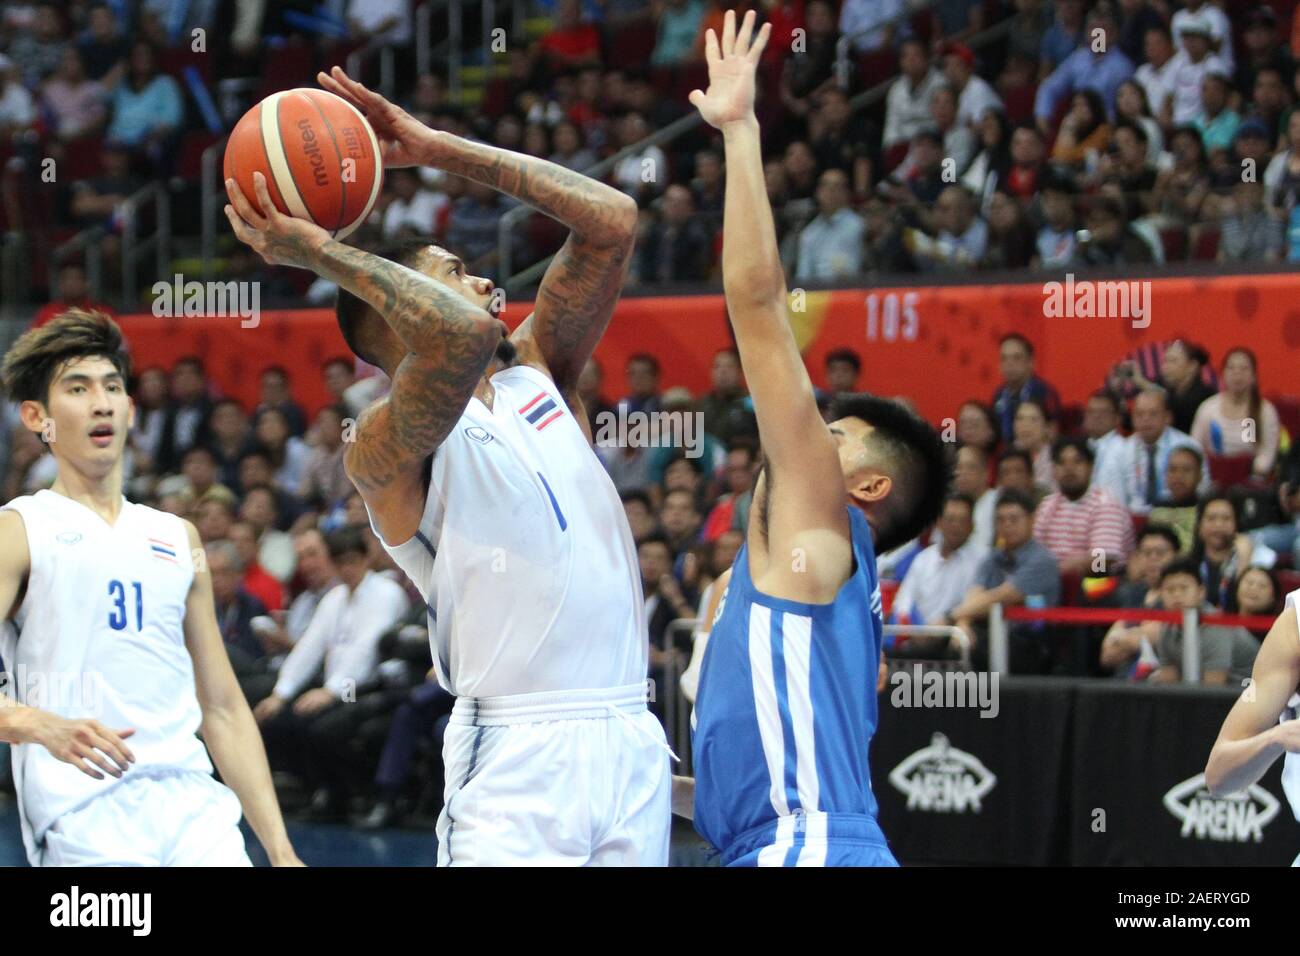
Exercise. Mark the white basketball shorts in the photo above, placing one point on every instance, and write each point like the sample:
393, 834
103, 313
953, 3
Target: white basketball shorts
571, 778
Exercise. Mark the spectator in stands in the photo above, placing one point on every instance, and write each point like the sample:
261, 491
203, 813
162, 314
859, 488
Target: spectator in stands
286, 452
341, 643
571, 42
1188, 68
104, 48
843, 367
1029, 23
919, 179
960, 142
731, 512
214, 513
961, 239
677, 246
1256, 593
380, 22
991, 163
942, 575
1284, 536
1085, 528
978, 425
1125, 171
589, 391
260, 509
708, 188
1136, 477
1133, 106
570, 151
1184, 474
1102, 417
71, 291
1200, 18
74, 102
1263, 50
1019, 382
1099, 67
1136, 18
98, 201
1084, 134
1127, 649
473, 225
1182, 376
664, 600
830, 247
338, 374
1227, 653
228, 438
1248, 232
1111, 240
256, 470
325, 483
806, 72
199, 473
1063, 36
907, 104
37, 53
189, 411
147, 106
150, 413
1057, 240
1238, 420
640, 513
235, 607
256, 580
722, 405
678, 24
1221, 552
642, 377
679, 520
1157, 548
841, 140
975, 97
882, 236
872, 24
641, 175
1020, 571
1156, 75
971, 478
413, 210
1282, 175
1182, 189
1032, 432
275, 392
1217, 121
1016, 473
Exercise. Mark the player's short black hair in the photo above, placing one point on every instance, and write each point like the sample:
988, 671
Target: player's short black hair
346, 540
1186, 566
355, 315
910, 450
33, 361
1078, 444
1161, 531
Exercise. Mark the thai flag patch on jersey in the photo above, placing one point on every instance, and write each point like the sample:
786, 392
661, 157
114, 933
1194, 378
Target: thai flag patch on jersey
541, 411
163, 549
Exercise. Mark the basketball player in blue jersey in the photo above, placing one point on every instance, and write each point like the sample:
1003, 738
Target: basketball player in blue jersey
786, 703
480, 480
110, 636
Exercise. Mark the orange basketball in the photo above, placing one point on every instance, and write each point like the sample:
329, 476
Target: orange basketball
319, 156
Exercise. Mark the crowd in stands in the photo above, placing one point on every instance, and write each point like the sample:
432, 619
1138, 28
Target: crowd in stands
1103, 133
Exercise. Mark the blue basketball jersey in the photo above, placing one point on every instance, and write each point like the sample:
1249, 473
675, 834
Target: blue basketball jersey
786, 707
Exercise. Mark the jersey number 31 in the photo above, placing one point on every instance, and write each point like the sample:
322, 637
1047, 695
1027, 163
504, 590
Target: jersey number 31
117, 615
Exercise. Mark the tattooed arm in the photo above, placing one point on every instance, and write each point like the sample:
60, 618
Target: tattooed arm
449, 341
578, 292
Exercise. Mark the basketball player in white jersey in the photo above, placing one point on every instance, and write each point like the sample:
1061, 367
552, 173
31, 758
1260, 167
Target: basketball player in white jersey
1263, 724
479, 477
110, 636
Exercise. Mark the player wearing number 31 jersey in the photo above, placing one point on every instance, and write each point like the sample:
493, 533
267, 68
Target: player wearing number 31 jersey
111, 644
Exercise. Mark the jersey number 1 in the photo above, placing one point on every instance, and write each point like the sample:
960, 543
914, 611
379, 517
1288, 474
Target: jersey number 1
117, 615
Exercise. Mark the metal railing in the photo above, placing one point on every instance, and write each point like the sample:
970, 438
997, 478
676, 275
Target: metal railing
357, 60
137, 245
211, 202
676, 708
89, 244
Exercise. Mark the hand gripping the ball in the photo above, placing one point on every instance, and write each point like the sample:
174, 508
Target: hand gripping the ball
279, 239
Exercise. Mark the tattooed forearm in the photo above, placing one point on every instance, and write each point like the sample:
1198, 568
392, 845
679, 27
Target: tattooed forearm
600, 214
422, 311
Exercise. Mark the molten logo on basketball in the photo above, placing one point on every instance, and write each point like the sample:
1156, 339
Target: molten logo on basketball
943, 779
1239, 816
312, 151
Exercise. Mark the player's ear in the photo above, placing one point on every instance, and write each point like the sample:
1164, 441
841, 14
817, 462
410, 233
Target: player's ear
870, 487
33, 415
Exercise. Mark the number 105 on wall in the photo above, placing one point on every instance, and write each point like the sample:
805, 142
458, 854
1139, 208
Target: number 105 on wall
892, 315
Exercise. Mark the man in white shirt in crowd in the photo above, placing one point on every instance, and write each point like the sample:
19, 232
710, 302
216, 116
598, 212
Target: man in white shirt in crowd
1201, 14
872, 24
941, 575
1101, 420
1156, 75
970, 477
1190, 67
1086, 529
381, 22
907, 105
1135, 476
343, 642
830, 246
414, 210
317, 571
975, 96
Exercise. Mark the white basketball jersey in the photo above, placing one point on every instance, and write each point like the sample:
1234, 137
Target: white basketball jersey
524, 556
100, 635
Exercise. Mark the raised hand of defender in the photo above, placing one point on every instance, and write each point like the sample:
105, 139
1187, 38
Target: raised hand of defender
279, 239
85, 744
730, 96
403, 140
